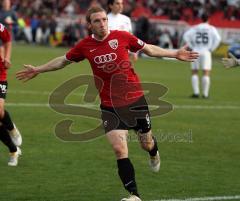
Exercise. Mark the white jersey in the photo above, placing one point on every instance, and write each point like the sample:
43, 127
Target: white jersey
119, 22
202, 37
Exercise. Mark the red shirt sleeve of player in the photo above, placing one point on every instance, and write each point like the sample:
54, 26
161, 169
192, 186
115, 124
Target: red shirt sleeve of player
76, 53
134, 43
4, 34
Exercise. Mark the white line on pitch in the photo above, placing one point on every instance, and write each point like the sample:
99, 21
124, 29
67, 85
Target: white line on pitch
216, 198
211, 107
30, 92
47, 105
197, 107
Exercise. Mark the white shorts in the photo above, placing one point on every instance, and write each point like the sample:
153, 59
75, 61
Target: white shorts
204, 61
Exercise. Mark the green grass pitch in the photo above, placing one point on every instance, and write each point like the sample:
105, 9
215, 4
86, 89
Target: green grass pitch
202, 160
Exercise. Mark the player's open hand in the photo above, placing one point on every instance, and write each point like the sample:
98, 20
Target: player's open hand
230, 62
186, 54
27, 73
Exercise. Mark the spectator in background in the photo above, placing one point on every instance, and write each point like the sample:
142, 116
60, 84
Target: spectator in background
70, 9
44, 30
36, 5
8, 16
69, 36
140, 10
235, 3
34, 23
142, 28
94, 3
52, 29
232, 12
174, 13
165, 40
81, 31
188, 10
21, 33
175, 39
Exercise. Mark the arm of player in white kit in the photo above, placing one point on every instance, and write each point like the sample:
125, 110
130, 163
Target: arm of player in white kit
216, 39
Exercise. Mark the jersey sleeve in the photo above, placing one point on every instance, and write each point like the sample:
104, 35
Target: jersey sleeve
134, 43
4, 34
216, 39
76, 54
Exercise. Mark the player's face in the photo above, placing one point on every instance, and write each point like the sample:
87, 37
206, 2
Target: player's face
6, 4
117, 6
99, 24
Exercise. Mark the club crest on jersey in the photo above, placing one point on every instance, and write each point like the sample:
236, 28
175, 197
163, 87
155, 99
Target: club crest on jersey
140, 42
113, 44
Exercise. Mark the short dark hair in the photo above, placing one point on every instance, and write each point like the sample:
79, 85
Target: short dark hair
205, 17
110, 2
92, 10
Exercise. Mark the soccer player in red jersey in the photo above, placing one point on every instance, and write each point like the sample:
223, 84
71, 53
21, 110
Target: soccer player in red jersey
5, 119
8, 18
119, 88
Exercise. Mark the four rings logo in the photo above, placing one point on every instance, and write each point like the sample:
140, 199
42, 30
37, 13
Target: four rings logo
105, 58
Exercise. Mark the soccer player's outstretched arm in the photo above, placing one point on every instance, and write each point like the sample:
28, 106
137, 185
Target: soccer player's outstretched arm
183, 54
231, 62
30, 71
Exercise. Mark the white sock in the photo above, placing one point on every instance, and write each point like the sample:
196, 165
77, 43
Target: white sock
205, 85
195, 84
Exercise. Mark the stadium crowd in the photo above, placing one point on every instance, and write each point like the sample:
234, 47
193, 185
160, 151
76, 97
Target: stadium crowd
61, 22
175, 9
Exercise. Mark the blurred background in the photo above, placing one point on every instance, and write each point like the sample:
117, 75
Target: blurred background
199, 141
160, 22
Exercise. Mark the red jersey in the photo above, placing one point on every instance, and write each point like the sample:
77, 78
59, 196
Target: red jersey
115, 79
4, 37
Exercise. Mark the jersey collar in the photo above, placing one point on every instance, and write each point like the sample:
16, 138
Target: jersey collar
98, 39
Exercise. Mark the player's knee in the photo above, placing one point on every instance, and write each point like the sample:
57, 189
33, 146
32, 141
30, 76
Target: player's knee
206, 73
120, 151
194, 72
146, 141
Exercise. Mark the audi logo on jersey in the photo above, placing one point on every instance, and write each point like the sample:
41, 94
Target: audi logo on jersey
106, 58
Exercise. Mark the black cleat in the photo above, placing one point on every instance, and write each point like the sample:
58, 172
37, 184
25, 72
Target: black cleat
194, 96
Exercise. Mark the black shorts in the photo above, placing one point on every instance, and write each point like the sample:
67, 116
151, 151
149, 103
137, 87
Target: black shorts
3, 89
135, 116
